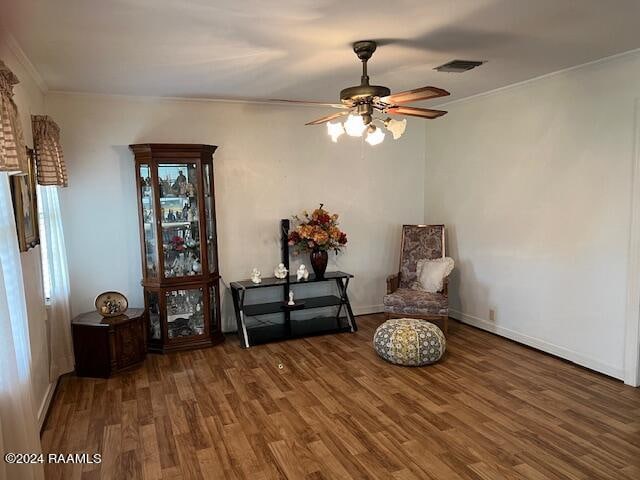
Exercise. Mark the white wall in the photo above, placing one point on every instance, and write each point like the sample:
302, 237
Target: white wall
30, 100
268, 166
534, 184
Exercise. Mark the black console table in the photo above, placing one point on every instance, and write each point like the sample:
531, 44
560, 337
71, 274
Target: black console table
291, 327
343, 321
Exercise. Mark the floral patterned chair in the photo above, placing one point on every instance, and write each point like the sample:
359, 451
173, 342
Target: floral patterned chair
403, 299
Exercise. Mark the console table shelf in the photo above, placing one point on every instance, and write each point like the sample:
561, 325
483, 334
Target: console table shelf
260, 334
343, 321
257, 309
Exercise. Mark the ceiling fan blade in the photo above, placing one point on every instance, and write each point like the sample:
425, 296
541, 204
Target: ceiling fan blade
304, 102
416, 112
328, 118
415, 95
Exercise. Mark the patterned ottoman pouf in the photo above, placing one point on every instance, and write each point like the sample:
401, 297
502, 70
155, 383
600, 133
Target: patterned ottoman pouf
408, 341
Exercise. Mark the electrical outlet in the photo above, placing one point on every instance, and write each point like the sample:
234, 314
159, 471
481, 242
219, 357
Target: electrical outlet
492, 315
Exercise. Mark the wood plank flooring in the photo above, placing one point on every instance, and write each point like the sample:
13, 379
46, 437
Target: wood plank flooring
491, 409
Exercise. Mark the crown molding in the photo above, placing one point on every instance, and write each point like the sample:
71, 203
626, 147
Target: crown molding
16, 50
160, 98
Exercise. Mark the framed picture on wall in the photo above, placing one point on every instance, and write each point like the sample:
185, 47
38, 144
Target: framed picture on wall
25, 205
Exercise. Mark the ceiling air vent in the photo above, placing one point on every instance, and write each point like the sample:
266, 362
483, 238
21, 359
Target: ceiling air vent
458, 66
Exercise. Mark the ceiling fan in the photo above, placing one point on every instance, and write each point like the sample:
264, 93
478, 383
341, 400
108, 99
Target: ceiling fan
361, 102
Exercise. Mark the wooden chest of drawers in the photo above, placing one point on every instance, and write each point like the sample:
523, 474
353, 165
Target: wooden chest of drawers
104, 346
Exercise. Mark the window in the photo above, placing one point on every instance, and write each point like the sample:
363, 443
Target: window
44, 251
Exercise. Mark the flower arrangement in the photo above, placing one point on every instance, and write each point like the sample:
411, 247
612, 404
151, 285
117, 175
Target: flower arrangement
317, 231
177, 243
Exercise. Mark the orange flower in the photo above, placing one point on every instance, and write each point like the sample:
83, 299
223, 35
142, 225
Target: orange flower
305, 231
320, 237
334, 232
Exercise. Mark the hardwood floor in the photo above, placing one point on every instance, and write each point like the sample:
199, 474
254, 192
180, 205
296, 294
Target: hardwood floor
491, 409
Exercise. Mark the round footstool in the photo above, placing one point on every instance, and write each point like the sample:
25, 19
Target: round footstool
408, 341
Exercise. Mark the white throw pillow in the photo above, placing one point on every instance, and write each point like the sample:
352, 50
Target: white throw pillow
431, 273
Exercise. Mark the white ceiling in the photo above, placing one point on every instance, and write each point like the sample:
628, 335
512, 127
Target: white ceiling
301, 49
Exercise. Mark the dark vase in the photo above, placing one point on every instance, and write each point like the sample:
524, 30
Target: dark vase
319, 260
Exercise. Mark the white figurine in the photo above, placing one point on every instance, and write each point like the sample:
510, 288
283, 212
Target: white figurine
291, 302
281, 271
196, 266
302, 272
255, 276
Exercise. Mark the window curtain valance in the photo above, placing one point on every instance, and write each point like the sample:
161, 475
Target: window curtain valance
13, 154
49, 158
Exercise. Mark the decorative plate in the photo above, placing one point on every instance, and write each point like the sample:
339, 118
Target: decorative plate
111, 304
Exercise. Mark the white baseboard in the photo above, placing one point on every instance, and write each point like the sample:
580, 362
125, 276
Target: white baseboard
46, 402
539, 344
367, 309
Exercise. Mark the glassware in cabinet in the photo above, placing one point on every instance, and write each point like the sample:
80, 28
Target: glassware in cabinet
185, 313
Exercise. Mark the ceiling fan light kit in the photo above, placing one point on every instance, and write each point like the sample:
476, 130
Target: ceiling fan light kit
375, 135
335, 130
396, 127
354, 126
365, 104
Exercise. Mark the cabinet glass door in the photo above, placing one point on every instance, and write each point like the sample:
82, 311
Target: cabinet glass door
153, 307
180, 219
210, 220
148, 222
185, 313
213, 311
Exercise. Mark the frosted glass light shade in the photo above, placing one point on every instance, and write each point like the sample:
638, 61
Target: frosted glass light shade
396, 127
335, 130
375, 136
354, 126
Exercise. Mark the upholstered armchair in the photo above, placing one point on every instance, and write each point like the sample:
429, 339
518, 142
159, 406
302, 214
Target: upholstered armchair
403, 300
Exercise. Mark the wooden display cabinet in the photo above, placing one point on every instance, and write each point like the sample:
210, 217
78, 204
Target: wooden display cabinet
176, 206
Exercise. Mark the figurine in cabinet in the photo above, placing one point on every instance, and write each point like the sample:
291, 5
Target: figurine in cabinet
178, 265
179, 187
189, 241
165, 187
196, 267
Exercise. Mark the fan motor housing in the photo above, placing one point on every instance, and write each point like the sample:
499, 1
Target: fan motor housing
360, 92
